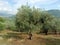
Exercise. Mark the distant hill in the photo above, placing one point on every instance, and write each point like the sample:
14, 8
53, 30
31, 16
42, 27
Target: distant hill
54, 12
5, 14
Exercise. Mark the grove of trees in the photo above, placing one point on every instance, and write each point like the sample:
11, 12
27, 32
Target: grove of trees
35, 20
31, 19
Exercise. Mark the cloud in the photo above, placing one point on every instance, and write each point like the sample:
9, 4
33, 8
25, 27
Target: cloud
35, 3
5, 6
11, 6
43, 1
18, 4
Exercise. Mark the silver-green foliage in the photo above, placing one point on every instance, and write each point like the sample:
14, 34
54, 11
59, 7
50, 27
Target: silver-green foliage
33, 19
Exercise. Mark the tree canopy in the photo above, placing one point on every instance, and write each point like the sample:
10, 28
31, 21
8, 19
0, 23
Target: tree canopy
34, 19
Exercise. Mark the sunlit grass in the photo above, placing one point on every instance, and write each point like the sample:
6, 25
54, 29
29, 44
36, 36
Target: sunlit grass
17, 38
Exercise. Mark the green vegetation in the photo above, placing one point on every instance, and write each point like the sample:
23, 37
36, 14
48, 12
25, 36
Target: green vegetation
34, 19
40, 26
31, 19
2, 24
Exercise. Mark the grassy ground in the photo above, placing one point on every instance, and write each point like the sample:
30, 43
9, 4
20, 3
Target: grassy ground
36, 40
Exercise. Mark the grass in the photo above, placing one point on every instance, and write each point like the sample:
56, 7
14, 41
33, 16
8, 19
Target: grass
53, 42
36, 39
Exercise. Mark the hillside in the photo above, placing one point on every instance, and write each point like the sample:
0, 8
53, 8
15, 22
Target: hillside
5, 14
54, 12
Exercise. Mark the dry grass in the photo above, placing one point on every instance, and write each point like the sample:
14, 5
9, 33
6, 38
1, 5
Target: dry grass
37, 39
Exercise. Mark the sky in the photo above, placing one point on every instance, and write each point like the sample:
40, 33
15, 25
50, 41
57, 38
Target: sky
11, 6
